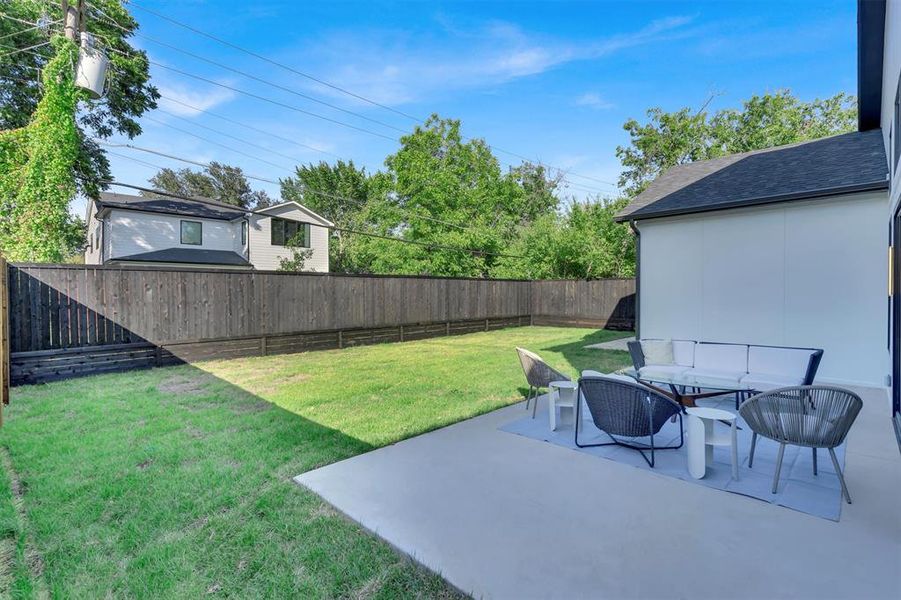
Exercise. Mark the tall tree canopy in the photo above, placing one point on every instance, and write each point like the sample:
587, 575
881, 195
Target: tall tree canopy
672, 138
218, 181
129, 91
343, 194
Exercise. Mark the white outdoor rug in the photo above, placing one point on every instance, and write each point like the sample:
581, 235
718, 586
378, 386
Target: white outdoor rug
799, 489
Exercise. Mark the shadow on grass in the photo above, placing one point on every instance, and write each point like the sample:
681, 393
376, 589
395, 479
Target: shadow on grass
577, 358
175, 482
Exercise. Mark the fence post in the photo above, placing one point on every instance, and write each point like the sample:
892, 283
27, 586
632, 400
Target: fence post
4, 337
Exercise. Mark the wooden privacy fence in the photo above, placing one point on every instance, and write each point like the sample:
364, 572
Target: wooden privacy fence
66, 321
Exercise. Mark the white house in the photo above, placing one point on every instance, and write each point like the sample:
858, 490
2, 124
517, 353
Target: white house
793, 246
174, 231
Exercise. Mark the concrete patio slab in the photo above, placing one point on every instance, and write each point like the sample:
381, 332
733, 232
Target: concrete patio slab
620, 344
503, 516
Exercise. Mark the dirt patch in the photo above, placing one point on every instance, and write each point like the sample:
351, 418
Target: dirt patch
144, 464
194, 432
9, 545
179, 384
250, 407
323, 511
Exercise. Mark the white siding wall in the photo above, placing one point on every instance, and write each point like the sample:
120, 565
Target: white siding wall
133, 232
92, 255
265, 256
807, 274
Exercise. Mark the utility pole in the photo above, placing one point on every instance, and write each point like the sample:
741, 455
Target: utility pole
73, 17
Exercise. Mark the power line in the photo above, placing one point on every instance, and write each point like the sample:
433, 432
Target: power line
430, 245
259, 79
246, 126
215, 143
5, 54
177, 158
270, 101
348, 92
305, 188
234, 137
277, 64
562, 173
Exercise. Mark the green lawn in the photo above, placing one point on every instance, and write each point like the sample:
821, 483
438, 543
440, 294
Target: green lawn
177, 481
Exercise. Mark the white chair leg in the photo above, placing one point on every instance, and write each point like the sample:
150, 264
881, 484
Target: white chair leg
552, 395
734, 433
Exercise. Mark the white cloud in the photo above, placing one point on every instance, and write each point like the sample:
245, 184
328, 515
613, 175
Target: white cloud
179, 99
394, 67
593, 100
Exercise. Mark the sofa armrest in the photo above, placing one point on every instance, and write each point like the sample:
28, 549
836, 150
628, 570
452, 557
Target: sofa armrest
812, 366
637, 354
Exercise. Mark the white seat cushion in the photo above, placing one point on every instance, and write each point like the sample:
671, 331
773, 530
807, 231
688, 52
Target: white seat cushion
657, 352
661, 372
722, 357
764, 382
786, 362
714, 377
684, 352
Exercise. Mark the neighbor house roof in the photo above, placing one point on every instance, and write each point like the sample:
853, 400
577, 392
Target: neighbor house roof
209, 209
188, 255
847, 163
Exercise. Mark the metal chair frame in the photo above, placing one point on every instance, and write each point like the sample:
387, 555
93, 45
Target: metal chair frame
644, 399
810, 416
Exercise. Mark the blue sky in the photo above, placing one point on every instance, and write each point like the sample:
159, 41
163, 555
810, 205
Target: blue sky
552, 80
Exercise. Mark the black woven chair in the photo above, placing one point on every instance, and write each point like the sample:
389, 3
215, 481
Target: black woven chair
627, 409
812, 416
538, 375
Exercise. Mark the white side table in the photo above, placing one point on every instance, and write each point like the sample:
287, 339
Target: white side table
702, 437
563, 394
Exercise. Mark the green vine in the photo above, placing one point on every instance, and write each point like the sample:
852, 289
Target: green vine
37, 166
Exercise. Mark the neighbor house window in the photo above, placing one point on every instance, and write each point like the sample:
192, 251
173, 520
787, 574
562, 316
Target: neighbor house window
243, 233
290, 233
192, 233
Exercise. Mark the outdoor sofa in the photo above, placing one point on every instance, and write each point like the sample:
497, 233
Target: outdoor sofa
756, 367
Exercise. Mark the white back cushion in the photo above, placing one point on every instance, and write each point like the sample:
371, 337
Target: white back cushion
791, 362
657, 352
684, 353
722, 357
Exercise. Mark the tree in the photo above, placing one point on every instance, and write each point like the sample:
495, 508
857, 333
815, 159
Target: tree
342, 193
36, 168
583, 243
669, 139
129, 92
218, 181
451, 192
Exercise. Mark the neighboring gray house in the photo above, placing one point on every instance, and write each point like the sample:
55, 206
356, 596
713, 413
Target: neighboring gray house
798, 245
158, 231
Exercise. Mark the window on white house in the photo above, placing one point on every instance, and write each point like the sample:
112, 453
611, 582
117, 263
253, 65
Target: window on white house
286, 232
243, 233
192, 233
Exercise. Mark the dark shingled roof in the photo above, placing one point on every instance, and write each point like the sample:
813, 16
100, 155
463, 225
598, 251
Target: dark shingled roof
173, 206
847, 163
189, 255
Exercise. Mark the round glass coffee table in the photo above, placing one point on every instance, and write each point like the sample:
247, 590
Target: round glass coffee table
688, 389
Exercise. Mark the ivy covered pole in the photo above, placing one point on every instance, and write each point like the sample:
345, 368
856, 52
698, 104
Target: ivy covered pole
37, 166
